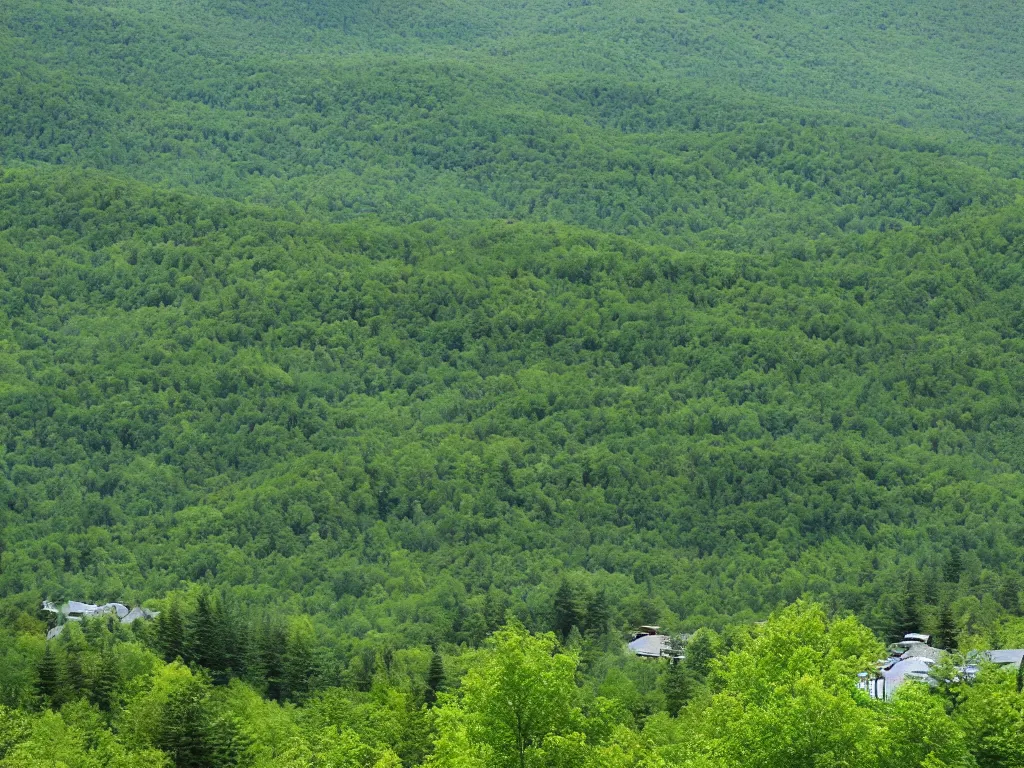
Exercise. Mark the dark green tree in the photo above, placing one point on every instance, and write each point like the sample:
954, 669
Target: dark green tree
1009, 594
171, 633
908, 612
184, 731
272, 642
206, 637
103, 691
566, 611
953, 567
299, 663
495, 604
598, 616
435, 678
677, 686
48, 679
946, 634
74, 675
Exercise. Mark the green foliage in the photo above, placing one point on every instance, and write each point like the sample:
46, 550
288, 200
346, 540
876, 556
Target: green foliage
435, 678
364, 331
521, 695
48, 679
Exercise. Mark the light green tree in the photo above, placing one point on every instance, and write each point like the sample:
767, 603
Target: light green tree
522, 692
789, 696
919, 733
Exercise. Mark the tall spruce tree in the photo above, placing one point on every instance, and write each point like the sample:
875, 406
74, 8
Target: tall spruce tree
272, 642
677, 686
495, 604
435, 678
299, 662
908, 612
184, 726
953, 567
206, 637
1009, 594
171, 633
598, 615
74, 675
566, 613
946, 634
48, 679
103, 691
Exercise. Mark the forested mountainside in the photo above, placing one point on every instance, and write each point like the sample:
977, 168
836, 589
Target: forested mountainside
407, 356
386, 423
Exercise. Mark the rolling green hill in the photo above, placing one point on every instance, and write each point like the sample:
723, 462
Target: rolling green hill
352, 334
380, 424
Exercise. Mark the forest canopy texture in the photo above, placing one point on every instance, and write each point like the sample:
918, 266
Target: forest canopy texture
395, 336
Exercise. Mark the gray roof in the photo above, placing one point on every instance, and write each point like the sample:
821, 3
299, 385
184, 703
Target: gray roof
922, 651
653, 646
118, 608
905, 670
138, 613
73, 606
76, 611
1008, 656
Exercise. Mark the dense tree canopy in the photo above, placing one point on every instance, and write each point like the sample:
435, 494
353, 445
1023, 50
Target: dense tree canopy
405, 356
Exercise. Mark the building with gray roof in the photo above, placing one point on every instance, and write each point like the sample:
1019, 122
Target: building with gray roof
77, 611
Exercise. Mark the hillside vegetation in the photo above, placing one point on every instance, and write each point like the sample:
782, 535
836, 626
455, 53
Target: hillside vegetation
370, 340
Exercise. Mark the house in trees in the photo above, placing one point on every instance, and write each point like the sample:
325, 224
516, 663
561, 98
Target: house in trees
649, 643
77, 611
911, 660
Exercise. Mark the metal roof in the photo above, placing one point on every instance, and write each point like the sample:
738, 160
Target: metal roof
915, 668
138, 613
119, 608
73, 606
652, 645
922, 651
1008, 656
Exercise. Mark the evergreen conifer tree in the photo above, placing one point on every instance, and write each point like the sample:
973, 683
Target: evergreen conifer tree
206, 638
598, 614
908, 618
435, 678
184, 727
272, 642
298, 663
566, 614
171, 633
74, 676
677, 685
48, 679
494, 609
104, 687
946, 635
953, 567
1009, 594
